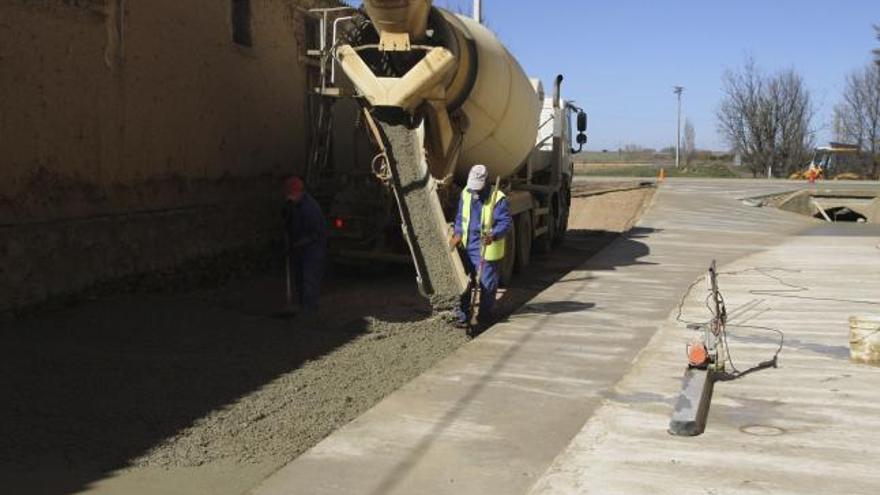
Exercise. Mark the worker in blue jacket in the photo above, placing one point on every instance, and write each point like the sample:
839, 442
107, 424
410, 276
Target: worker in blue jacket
306, 232
472, 231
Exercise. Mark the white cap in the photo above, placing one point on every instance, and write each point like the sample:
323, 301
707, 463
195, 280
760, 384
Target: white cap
477, 178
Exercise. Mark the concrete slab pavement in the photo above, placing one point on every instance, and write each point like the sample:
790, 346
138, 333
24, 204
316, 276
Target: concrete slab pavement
809, 426
494, 416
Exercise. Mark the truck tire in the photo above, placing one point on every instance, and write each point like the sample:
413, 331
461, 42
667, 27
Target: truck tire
562, 216
551, 233
523, 224
507, 263
543, 244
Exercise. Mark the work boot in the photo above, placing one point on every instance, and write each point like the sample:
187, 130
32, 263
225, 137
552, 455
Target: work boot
477, 330
461, 319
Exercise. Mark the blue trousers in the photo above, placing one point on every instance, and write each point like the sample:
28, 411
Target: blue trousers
488, 288
309, 265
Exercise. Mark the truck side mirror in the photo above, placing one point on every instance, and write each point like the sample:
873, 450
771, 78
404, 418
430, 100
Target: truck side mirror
582, 123
581, 141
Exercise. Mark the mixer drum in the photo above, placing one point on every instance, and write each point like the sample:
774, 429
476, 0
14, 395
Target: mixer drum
502, 107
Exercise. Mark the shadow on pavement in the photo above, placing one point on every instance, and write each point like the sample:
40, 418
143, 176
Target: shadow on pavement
555, 308
577, 250
627, 251
92, 387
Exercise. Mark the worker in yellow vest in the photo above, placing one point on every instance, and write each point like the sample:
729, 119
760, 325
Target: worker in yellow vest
473, 233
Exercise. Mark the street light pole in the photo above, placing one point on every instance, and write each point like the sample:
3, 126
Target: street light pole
678, 90
478, 11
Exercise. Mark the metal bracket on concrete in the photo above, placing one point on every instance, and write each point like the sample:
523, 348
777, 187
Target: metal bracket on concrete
692, 407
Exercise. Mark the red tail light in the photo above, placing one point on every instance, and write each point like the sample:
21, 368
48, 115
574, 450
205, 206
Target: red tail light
339, 223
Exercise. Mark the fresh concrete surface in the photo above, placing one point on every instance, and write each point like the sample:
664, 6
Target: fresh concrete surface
808, 426
493, 417
692, 406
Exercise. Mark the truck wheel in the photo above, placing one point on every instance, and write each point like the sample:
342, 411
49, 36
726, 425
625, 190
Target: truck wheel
523, 225
543, 244
564, 209
507, 263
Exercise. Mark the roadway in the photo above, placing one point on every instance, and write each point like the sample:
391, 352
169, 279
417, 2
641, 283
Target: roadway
572, 393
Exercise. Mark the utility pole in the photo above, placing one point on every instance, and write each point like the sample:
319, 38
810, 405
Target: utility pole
678, 90
478, 11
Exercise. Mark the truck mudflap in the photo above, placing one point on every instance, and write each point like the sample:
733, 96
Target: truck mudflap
439, 270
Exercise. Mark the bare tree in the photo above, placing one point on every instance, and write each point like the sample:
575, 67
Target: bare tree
793, 111
877, 51
857, 117
767, 119
690, 142
633, 148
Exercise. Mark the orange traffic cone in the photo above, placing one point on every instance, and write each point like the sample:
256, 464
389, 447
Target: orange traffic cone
661, 177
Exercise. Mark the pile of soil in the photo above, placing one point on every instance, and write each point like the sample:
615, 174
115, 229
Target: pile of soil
610, 212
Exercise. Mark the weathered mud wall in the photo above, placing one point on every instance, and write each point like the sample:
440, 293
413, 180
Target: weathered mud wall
135, 134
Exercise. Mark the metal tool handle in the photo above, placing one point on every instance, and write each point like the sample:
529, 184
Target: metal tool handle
288, 284
477, 294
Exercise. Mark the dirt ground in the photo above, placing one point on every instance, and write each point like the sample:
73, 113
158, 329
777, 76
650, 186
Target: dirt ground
619, 210
208, 392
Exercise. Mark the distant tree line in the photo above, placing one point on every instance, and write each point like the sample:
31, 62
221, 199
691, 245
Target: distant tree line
877, 51
767, 118
690, 153
857, 117
689, 146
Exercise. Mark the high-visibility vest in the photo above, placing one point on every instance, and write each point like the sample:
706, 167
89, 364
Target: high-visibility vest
494, 251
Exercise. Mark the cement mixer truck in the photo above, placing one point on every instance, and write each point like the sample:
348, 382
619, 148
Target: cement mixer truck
410, 96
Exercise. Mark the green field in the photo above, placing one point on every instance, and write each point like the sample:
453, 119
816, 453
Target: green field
609, 169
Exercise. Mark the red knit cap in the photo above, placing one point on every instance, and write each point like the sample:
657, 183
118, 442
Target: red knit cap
293, 188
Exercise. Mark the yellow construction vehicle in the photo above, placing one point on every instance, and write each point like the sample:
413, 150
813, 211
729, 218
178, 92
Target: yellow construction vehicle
838, 161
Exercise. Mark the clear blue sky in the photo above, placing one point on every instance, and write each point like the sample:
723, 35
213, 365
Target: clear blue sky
622, 57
